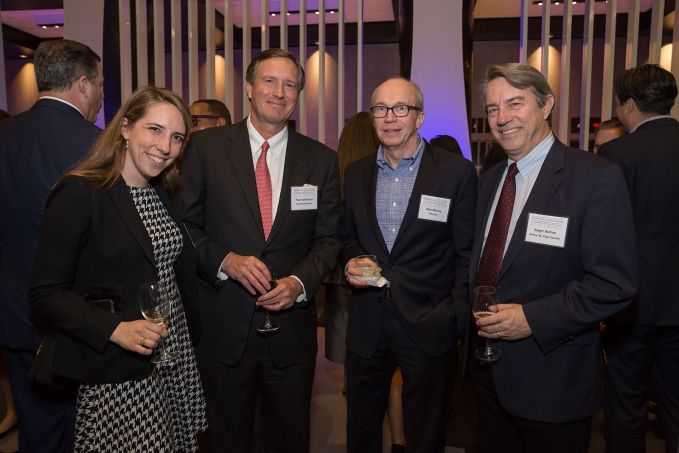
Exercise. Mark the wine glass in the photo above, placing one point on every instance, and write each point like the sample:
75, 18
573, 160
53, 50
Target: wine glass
155, 306
484, 298
269, 327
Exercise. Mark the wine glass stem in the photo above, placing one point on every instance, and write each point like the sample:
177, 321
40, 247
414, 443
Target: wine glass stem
489, 351
160, 349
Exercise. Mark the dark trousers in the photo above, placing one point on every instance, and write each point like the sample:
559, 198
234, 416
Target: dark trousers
502, 432
427, 385
46, 416
230, 396
633, 355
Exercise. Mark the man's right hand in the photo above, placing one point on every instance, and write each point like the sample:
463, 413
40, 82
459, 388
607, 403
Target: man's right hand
249, 271
353, 270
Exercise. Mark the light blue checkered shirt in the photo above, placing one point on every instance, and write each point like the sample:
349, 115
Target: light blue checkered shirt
393, 190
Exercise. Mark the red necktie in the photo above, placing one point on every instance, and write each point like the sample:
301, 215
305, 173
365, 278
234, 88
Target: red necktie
491, 259
263, 180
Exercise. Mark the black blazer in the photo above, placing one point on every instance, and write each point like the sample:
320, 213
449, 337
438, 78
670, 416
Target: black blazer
553, 375
35, 148
649, 159
221, 211
429, 261
94, 242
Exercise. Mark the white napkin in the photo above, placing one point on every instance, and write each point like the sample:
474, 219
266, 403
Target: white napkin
377, 282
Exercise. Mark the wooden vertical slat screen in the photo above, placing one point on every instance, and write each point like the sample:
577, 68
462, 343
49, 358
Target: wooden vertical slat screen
142, 43
209, 49
564, 131
609, 61
125, 48
321, 71
340, 69
176, 40
301, 104
586, 80
229, 61
159, 43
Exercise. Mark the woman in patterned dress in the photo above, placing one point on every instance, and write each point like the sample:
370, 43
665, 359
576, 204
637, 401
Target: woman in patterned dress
109, 228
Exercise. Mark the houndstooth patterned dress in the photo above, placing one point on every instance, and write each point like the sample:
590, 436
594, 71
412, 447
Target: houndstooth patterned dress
163, 412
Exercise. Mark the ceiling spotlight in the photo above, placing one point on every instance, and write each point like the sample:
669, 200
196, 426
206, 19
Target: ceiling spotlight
23, 56
273, 14
44, 26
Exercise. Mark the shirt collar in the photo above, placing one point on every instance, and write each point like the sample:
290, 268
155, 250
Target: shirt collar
256, 139
382, 161
648, 120
535, 157
54, 98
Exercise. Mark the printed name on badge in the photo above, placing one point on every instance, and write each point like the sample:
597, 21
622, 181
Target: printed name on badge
434, 208
303, 198
546, 229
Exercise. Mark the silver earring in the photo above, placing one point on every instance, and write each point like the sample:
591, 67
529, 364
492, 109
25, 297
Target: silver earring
127, 143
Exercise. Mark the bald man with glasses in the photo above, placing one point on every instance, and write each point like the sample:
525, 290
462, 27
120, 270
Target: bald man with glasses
411, 206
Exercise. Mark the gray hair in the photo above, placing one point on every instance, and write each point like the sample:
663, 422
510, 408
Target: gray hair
521, 76
61, 62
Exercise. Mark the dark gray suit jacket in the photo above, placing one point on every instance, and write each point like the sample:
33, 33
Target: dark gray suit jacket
36, 147
221, 211
429, 262
553, 375
649, 158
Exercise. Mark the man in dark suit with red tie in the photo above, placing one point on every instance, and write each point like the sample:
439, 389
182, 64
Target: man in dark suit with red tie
412, 206
36, 147
555, 236
643, 341
261, 203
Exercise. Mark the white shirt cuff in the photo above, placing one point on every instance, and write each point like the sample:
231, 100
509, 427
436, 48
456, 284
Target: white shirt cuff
302, 297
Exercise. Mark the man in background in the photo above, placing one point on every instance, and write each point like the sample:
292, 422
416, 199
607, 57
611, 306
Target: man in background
607, 131
206, 113
644, 340
36, 147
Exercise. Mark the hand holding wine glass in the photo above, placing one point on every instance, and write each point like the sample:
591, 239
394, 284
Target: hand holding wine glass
155, 306
269, 327
484, 299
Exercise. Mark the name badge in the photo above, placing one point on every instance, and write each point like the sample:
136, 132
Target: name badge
303, 198
434, 208
546, 229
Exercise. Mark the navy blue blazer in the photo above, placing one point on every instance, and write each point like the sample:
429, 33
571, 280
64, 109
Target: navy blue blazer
429, 262
36, 147
553, 375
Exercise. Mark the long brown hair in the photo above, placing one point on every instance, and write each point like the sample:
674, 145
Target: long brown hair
358, 139
104, 163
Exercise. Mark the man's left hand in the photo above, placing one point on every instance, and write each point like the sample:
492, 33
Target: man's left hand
283, 296
508, 323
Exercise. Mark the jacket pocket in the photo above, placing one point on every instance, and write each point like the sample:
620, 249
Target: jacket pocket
105, 295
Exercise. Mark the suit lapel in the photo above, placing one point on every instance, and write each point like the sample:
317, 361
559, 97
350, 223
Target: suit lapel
427, 175
296, 167
240, 155
369, 179
548, 181
128, 212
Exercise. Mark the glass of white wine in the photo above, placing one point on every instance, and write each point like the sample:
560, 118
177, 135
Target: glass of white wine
484, 298
155, 306
369, 267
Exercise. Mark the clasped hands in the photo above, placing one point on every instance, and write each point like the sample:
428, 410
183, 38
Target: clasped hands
255, 277
507, 323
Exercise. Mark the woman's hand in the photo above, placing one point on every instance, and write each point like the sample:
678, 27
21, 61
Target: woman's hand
139, 336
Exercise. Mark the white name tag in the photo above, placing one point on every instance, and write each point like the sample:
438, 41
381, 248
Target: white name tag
303, 198
434, 208
546, 229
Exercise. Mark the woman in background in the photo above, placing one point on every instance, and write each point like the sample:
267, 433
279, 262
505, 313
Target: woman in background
109, 228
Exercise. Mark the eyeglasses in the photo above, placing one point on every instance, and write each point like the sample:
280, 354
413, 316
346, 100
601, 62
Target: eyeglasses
196, 118
400, 110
